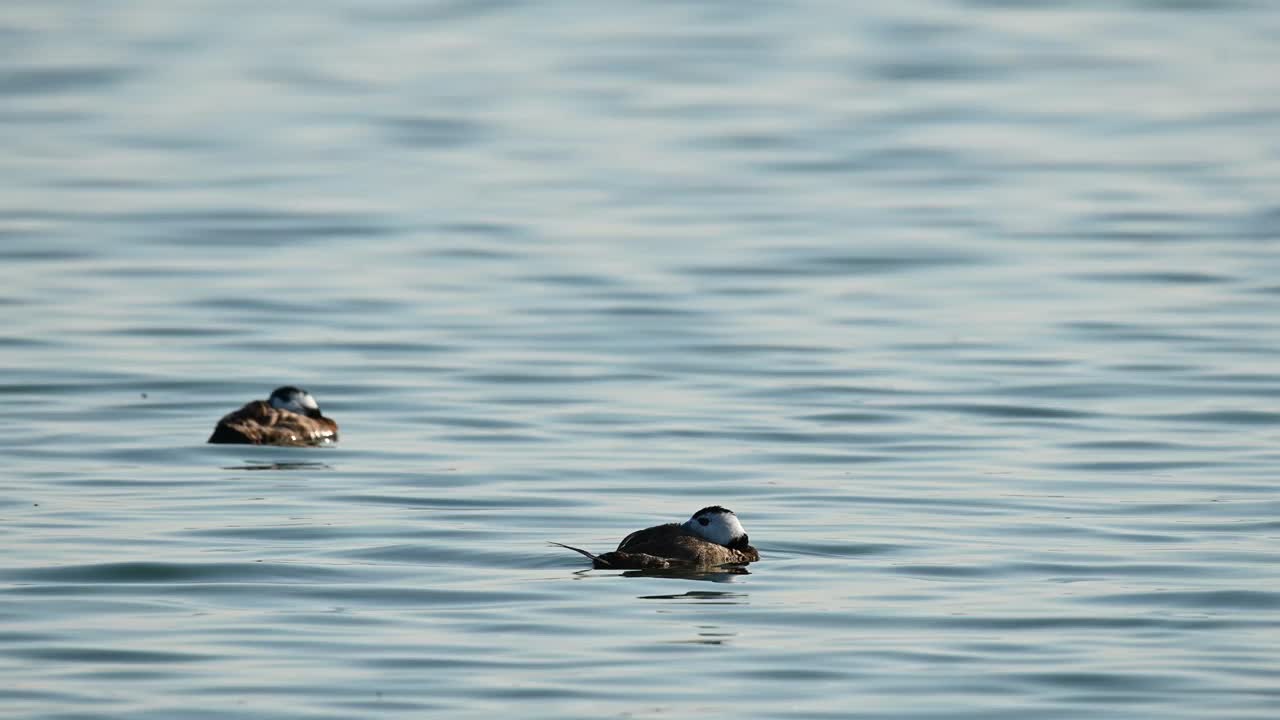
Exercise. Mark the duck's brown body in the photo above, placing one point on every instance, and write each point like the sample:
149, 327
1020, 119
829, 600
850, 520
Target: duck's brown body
257, 423
669, 546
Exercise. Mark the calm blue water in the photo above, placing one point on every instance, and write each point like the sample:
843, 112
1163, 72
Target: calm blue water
969, 310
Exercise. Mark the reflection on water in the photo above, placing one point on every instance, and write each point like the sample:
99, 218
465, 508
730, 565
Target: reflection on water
701, 596
279, 466
719, 575
708, 635
968, 305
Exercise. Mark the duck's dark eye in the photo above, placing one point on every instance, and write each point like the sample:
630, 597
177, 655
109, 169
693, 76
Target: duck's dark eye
703, 521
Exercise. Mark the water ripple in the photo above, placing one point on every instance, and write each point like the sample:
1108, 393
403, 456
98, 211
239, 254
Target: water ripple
59, 80
970, 315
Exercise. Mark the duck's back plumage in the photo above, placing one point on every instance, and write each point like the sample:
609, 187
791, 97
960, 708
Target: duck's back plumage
671, 546
258, 423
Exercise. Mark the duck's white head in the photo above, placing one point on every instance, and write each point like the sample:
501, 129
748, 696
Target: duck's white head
294, 400
719, 525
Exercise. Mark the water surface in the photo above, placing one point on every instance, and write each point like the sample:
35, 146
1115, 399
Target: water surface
967, 308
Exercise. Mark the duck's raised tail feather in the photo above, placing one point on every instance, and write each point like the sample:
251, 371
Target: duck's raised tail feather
580, 551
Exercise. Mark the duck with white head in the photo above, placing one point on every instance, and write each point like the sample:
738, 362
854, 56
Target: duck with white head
290, 416
713, 537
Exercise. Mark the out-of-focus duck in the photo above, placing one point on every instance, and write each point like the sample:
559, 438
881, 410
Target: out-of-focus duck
290, 416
